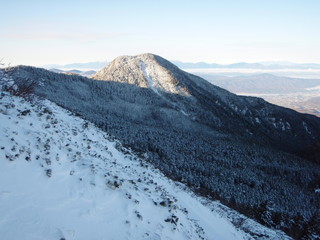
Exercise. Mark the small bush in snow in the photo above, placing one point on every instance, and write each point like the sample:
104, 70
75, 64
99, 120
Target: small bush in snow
138, 215
172, 219
49, 172
20, 87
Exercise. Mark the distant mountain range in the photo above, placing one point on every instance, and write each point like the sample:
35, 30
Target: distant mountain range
190, 65
261, 65
258, 158
80, 66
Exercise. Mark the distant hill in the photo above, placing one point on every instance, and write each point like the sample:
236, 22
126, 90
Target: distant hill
74, 71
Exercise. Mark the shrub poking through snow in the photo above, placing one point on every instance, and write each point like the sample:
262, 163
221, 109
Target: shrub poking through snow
49, 172
172, 219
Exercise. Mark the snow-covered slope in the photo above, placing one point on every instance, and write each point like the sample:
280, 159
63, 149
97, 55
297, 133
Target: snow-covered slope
62, 178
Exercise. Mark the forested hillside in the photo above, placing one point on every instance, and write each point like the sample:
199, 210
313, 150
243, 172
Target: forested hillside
241, 150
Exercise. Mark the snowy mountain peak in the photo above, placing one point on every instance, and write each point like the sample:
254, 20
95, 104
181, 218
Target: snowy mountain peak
145, 70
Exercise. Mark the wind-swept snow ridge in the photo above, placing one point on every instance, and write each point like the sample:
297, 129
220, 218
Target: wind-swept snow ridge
62, 178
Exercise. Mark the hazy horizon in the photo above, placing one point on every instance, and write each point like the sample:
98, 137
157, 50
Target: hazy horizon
179, 60
224, 70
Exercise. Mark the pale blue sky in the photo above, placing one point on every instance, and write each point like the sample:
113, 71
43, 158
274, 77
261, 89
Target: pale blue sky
39, 32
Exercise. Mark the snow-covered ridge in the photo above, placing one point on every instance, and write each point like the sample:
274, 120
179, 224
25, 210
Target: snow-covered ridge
62, 178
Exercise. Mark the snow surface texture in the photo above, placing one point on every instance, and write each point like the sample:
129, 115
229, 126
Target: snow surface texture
62, 178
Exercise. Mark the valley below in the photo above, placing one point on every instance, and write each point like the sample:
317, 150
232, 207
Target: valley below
298, 90
304, 102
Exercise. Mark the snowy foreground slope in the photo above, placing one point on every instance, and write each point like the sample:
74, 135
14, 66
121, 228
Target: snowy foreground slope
62, 178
